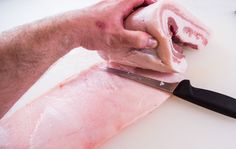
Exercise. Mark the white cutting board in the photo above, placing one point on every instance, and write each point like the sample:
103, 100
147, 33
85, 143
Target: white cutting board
176, 124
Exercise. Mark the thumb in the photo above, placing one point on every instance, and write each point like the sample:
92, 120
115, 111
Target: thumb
139, 40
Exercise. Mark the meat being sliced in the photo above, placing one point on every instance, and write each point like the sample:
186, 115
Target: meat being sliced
174, 28
81, 113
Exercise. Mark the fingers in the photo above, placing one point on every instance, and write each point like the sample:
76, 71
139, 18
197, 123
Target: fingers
148, 2
138, 39
133, 3
136, 3
129, 5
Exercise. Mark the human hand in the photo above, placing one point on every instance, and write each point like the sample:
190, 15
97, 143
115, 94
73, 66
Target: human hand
102, 27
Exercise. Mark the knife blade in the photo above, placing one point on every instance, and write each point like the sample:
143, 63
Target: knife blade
211, 100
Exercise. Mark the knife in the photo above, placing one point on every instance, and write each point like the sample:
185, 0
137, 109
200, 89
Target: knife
208, 99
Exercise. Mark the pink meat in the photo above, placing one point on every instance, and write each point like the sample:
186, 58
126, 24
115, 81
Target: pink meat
174, 28
91, 107
81, 113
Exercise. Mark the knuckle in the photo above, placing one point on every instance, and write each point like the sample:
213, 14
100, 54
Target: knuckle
112, 39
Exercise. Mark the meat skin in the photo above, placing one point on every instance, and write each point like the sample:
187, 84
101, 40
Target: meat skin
82, 112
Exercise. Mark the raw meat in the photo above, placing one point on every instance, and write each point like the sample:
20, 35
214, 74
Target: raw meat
174, 28
82, 112
85, 111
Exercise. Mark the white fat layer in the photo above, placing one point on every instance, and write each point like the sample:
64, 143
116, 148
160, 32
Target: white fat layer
182, 65
3, 138
181, 24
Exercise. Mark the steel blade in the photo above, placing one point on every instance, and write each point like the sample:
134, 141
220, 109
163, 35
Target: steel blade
168, 87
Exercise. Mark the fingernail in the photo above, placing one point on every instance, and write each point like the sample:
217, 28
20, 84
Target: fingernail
152, 43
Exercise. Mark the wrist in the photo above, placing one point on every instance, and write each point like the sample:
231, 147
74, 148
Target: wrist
74, 26
66, 35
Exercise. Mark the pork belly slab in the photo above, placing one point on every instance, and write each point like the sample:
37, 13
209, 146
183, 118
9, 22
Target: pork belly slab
173, 27
81, 113
91, 107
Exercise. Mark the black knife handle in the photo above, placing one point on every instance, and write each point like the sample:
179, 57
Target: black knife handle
211, 100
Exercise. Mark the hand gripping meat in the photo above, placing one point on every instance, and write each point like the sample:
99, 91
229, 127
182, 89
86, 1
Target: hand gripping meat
173, 27
93, 106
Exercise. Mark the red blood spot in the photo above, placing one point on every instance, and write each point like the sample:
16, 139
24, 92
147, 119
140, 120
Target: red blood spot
101, 25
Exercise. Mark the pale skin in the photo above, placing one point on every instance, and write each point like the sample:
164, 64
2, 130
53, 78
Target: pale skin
27, 51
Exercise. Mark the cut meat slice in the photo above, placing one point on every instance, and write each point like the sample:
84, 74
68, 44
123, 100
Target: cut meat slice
82, 112
173, 27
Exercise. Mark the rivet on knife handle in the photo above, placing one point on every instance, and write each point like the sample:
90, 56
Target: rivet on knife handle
211, 100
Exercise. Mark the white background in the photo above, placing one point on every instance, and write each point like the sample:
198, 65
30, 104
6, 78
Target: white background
176, 124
